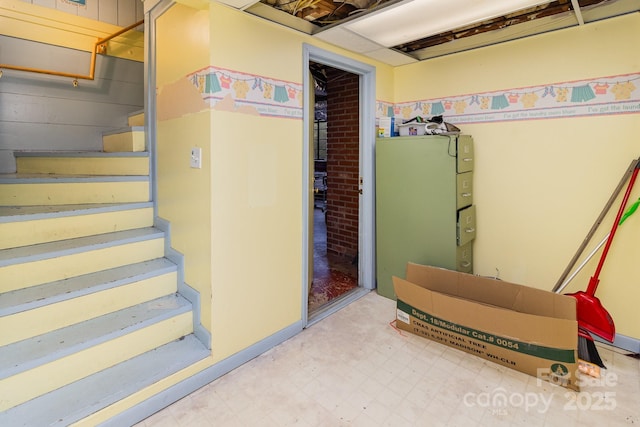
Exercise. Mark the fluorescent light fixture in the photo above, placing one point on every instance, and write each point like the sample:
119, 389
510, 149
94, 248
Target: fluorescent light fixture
412, 20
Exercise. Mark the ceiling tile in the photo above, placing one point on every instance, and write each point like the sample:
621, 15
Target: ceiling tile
342, 37
391, 57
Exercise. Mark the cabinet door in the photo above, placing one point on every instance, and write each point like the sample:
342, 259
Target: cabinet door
466, 225
464, 191
464, 258
465, 154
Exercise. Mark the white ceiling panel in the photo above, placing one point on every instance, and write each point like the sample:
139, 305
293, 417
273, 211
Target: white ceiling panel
391, 57
342, 37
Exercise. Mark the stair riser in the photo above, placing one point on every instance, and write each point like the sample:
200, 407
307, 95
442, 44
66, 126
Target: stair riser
23, 233
136, 120
70, 193
84, 165
32, 273
30, 323
132, 141
35, 382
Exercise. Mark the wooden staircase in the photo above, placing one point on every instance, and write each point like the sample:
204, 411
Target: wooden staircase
90, 312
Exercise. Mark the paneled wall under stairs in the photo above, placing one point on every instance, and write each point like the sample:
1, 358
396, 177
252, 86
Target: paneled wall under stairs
48, 113
117, 12
89, 309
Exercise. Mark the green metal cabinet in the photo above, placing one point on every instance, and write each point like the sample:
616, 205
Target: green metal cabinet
424, 205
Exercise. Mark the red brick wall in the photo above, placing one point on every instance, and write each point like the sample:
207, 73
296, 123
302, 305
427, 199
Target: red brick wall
342, 163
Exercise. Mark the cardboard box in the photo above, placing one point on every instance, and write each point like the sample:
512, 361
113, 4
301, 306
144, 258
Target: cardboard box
385, 127
530, 330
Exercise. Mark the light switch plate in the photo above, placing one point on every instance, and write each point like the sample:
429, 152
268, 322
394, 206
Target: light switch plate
196, 157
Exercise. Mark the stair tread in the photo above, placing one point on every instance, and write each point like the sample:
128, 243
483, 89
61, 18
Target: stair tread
65, 247
43, 178
26, 354
124, 130
84, 397
49, 293
80, 154
27, 213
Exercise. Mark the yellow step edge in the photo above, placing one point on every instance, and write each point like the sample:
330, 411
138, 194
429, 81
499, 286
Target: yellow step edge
130, 141
36, 322
84, 165
35, 382
18, 276
136, 120
31, 232
69, 193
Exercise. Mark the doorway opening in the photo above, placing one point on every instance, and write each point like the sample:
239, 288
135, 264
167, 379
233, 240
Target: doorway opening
338, 163
336, 148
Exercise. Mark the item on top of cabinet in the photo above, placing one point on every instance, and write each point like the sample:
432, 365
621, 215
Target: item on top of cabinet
435, 125
412, 129
385, 127
417, 119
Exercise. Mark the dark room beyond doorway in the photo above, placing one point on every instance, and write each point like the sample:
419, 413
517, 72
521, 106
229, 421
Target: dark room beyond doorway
336, 174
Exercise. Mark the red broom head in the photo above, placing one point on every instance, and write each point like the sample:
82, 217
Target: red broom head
593, 317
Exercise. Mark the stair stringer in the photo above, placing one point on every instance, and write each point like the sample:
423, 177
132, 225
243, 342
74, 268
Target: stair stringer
189, 293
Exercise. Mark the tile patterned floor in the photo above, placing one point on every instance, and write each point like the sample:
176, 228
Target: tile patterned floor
354, 369
333, 276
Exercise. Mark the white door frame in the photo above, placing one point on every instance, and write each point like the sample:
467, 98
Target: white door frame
366, 231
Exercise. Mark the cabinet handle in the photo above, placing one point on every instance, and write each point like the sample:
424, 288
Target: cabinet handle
470, 230
467, 159
465, 264
465, 194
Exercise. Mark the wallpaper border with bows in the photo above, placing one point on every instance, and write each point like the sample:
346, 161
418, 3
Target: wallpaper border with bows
271, 97
257, 94
595, 97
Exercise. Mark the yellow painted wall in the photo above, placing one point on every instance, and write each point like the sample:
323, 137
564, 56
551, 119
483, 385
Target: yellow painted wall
256, 192
540, 184
257, 222
238, 220
257, 187
182, 37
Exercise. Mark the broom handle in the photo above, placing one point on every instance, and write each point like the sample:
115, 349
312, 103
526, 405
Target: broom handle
561, 281
582, 264
593, 282
626, 215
